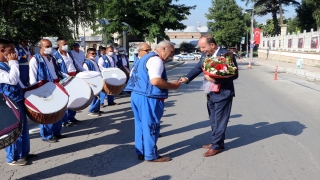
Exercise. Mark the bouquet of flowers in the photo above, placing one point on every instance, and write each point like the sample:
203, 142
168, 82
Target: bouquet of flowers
219, 67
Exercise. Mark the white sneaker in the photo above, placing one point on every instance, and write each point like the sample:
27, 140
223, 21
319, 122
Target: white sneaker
94, 114
20, 162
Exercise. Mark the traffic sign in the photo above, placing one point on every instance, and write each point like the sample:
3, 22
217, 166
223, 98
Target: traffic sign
252, 41
251, 45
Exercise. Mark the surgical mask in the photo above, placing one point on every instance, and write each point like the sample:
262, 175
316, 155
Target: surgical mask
110, 53
121, 52
64, 48
47, 50
91, 57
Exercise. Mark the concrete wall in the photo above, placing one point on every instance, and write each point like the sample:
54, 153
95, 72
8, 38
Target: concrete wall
311, 59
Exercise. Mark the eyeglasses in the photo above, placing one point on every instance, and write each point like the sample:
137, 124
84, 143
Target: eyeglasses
146, 50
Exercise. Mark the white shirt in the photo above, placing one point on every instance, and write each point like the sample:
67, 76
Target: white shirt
11, 77
96, 67
33, 69
155, 67
100, 63
68, 62
216, 53
79, 57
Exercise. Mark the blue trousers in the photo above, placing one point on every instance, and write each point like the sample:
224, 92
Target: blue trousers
95, 105
21, 147
24, 74
219, 117
47, 131
103, 96
147, 114
70, 115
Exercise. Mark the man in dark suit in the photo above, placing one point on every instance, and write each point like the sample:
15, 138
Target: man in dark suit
219, 103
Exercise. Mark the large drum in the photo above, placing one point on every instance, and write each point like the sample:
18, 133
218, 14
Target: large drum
93, 79
46, 102
115, 81
11, 125
80, 94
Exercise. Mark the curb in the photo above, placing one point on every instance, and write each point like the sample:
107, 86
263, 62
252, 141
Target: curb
298, 72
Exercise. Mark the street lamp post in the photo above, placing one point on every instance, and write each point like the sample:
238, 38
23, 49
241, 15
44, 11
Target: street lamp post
252, 36
247, 45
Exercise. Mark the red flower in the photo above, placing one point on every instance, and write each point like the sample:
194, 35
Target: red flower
219, 67
222, 59
207, 61
212, 64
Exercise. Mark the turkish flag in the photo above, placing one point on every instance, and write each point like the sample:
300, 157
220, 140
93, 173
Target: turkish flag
257, 35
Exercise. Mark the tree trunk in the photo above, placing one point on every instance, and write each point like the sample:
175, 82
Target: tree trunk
274, 17
280, 12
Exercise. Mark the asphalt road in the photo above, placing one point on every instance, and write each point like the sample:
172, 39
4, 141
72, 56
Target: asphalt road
273, 133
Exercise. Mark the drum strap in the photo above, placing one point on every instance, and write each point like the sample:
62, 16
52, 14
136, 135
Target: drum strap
59, 74
74, 62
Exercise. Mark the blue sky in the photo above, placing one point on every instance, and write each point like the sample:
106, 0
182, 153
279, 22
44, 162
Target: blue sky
198, 14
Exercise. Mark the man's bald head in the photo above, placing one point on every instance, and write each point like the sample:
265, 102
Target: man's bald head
44, 42
143, 49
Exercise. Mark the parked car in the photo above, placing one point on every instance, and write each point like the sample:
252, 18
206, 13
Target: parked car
183, 57
197, 55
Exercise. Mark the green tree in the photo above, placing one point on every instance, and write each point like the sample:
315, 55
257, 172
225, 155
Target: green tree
228, 24
187, 47
305, 17
293, 25
35, 19
264, 7
146, 18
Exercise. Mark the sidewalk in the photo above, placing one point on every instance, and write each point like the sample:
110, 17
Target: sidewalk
312, 73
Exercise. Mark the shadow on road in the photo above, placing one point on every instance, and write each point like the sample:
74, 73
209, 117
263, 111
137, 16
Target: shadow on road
244, 134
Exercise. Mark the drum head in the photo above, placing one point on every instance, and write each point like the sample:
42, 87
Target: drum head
79, 93
10, 126
88, 74
46, 99
114, 76
94, 80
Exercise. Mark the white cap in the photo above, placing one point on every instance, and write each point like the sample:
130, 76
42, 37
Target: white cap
121, 49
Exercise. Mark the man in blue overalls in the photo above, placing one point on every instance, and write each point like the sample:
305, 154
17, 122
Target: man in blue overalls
149, 88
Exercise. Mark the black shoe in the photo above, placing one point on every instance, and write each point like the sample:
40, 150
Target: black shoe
67, 124
60, 136
75, 121
113, 104
51, 140
30, 157
140, 157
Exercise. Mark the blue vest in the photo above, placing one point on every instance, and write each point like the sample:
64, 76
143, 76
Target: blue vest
90, 65
21, 53
43, 70
119, 62
14, 92
61, 64
106, 61
139, 81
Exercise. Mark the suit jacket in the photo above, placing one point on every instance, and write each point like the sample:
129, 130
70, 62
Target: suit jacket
227, 87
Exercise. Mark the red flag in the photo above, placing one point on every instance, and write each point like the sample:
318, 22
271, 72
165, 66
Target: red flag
257, 35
